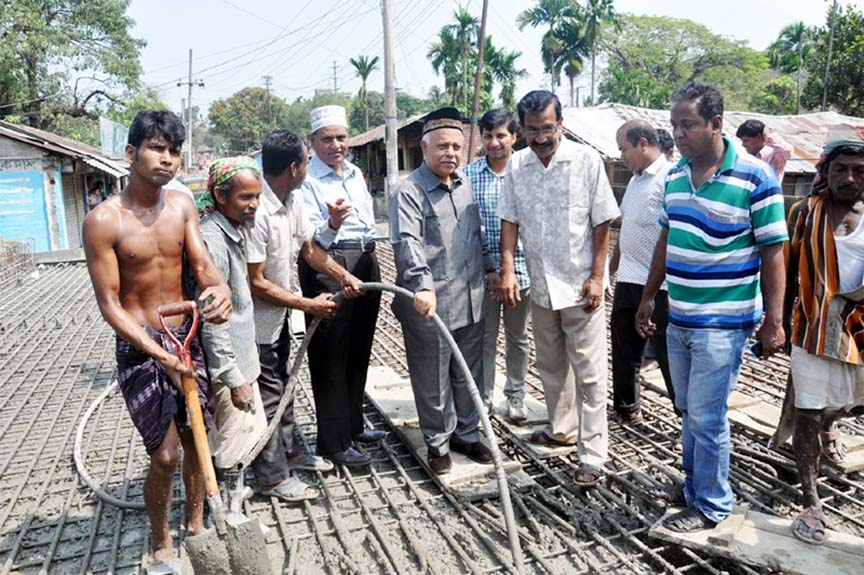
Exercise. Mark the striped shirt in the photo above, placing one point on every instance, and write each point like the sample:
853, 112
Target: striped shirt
487, 190
715, 232
826, 322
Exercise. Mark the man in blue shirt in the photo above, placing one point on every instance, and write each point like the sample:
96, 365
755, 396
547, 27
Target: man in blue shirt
339, 205
499, 131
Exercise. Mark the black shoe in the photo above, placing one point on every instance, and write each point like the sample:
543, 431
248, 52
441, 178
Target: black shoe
440, 464
370, 436
476, 451
351, 458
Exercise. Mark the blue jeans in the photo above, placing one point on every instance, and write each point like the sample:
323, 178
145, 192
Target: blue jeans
704, 364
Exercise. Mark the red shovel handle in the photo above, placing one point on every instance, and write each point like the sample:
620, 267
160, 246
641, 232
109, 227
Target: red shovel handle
180, 308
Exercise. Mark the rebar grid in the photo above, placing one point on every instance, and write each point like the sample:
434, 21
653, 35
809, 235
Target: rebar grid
391, 518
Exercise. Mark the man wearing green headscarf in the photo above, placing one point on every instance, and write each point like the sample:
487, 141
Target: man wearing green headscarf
234, 188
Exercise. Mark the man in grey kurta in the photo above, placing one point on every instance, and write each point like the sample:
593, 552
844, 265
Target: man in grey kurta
441, 256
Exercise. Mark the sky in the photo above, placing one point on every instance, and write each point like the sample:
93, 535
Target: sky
304, 45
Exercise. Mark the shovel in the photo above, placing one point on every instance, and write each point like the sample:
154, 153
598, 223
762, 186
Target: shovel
229, 548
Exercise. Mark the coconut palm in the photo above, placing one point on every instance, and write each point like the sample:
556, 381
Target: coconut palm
593, 15
364, 67
788, 53
548, 13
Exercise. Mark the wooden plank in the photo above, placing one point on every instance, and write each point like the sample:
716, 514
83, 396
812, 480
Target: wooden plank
765, 541
393, 397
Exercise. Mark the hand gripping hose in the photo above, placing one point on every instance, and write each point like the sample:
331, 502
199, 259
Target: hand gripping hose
500, 475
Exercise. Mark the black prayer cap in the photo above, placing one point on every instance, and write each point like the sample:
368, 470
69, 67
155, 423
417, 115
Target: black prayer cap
443, 118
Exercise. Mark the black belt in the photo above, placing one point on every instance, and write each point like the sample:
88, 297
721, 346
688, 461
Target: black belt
364, 246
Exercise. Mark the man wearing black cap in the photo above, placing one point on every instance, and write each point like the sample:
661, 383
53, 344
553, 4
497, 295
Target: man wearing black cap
441, 256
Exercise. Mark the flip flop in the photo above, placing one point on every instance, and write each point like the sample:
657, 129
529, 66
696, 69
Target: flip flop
293, 491
309, 462
833, 447
810, 526
540, 437
688, 521
169, 567
589, 474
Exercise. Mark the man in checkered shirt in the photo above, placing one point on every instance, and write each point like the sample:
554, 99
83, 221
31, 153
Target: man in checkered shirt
499, 131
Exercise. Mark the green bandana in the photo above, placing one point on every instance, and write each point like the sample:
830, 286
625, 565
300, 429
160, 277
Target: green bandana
224, 169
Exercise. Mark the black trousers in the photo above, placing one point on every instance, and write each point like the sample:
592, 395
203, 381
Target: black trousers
628, 346
340, 349
271, 466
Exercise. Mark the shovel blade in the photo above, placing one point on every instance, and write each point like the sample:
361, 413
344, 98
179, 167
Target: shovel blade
208, 554
247, 549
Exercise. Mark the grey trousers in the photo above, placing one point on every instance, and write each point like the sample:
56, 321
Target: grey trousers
516, 349
444, 403
573, 366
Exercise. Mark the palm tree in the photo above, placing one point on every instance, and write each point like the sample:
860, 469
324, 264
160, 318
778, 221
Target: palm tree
465, 30
593, 15
548, 13
573, 49
788, 52
364, 67
501, 66
445, 56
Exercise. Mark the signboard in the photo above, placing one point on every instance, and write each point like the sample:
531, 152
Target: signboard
22, 208
114, 137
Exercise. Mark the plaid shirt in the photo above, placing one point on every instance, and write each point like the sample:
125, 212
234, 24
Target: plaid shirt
487, 188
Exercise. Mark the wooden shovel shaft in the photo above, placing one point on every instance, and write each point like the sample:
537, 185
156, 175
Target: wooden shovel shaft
199, 435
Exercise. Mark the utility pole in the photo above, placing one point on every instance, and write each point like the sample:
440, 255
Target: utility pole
189, 83
390, 134
828, 56
335, 87
478, 77
268, 80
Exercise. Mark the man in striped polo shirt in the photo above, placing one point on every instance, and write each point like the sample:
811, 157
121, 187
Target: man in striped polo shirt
723, 229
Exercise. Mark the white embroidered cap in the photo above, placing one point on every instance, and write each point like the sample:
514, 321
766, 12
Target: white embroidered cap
324, 116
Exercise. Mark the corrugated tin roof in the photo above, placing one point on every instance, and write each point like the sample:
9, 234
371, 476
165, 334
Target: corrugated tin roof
90, 155
596, 127
377, 133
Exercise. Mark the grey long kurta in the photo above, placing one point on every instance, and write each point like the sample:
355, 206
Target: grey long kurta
439, 245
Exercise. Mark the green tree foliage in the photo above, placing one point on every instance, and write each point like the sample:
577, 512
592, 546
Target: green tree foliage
455, 56
65, 58
552, 15
653, 56
788, 53
243, 118
595, 15
364, 67
776, 97
846, 77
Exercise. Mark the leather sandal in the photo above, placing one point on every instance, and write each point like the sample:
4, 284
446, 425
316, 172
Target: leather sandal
833, 448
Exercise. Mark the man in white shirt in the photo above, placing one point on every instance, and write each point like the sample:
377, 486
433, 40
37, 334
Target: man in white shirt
639, 145
556, 194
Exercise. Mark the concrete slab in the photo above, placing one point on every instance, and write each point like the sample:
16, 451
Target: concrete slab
393, 397
766, 541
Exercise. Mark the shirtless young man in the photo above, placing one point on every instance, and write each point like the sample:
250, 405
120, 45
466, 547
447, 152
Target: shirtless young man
134, 243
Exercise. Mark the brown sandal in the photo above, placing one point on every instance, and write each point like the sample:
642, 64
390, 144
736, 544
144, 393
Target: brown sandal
540, 437
833, 448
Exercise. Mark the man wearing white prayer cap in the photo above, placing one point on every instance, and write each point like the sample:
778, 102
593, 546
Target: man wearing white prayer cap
340, 207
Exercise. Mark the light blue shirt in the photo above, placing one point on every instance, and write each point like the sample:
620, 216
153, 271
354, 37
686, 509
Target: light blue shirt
324, 185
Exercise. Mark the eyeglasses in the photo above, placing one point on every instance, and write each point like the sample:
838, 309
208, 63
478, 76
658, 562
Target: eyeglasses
547, 131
